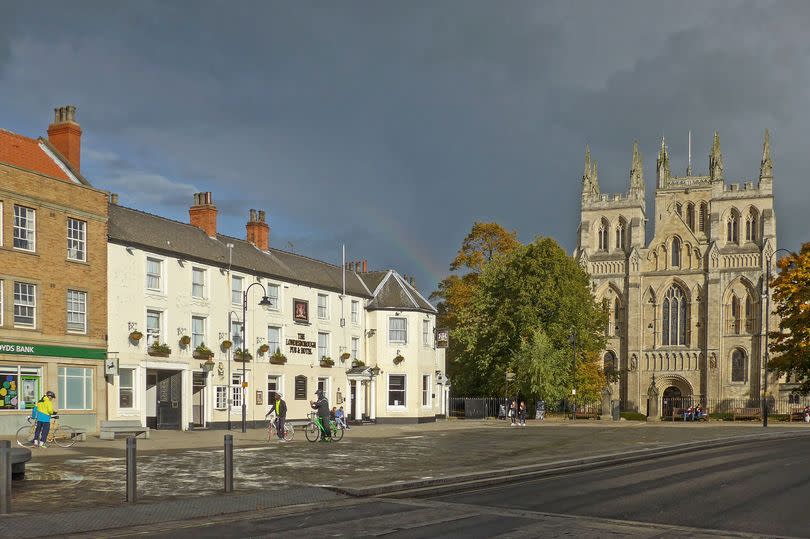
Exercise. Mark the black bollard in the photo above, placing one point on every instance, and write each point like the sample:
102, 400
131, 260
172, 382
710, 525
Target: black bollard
5, 477
132, 476
228, 463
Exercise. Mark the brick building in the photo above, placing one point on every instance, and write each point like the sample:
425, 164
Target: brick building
53, 285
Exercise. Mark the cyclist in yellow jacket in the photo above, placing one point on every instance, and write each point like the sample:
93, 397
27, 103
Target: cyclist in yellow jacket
42, 412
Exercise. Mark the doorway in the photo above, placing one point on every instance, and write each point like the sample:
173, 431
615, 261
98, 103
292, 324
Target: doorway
672, 398
198, 399
353, 391
164, 399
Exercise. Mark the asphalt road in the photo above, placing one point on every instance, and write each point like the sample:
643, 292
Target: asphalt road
750, 490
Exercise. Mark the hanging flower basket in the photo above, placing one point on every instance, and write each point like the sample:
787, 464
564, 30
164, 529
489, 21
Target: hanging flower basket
185, 340
399, 359
263, 349
327, 361
226, 344
242, 355
159, 350
344, 356
375, 371
202, 352
135, 336
358, 363
278, 358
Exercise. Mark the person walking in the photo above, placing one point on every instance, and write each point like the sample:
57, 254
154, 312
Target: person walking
42, 412
522, 413
321, 406
512, 412
280, 408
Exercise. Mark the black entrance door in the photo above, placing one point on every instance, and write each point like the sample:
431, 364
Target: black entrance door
672, 399
169, 388
353, 390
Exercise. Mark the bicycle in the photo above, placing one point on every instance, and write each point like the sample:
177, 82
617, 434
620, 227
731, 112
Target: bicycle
61, 435
272, 429
313, 429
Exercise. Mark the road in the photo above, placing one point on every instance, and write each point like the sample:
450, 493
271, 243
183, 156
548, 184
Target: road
748, 490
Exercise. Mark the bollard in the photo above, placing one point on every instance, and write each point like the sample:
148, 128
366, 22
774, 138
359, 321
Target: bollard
5, 477
228, 463
132, 476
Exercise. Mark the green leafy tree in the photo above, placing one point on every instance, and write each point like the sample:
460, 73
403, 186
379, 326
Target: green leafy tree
536, 287
791, 344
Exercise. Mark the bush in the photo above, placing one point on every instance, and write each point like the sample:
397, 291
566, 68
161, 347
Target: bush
633, 416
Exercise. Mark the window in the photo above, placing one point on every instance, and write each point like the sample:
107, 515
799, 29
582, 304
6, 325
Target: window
738, 366
620, 234
236, 390
75, 388
323, 385
272, 295
676, 252
690, 216
425, 332
300, 387
617, 320
76, 311
198, 283
323, 345
153, 326
674, 317
704, 216
23, 387
273, 385
126, 388
25, 304
274, 339
732, 227
221, 397
609, 364
24, 228
236, 290
749, 314
751, 225
679, 209
396, 390
355, 348
397, 330
603, 235
154, 273
236, 333
76, 240
425, 390
323, 306
197, 331
355, 311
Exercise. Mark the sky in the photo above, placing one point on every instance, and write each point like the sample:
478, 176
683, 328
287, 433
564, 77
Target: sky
391, 127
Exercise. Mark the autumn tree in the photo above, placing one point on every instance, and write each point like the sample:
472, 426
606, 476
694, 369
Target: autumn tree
791, 344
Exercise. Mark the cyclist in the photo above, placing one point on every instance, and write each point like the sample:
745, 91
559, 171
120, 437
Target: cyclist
42, 412
322, 407
280, 407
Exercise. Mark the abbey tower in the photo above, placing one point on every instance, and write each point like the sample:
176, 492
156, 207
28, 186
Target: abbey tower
685, 306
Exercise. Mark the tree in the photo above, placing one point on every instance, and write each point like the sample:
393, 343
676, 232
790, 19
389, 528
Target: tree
791, 344
535, 288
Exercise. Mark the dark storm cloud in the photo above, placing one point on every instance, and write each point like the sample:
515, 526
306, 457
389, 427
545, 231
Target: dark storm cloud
392, 126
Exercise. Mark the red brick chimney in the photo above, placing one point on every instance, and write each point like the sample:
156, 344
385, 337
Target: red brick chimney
203, 214
66, 136
258, 231
365, 266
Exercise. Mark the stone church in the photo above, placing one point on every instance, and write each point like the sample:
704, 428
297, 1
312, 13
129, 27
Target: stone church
686, 305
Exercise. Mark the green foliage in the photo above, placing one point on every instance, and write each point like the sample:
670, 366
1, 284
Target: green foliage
158, 348
633, 416
541, 369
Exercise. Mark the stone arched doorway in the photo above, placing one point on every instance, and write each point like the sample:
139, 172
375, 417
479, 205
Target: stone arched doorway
678, 394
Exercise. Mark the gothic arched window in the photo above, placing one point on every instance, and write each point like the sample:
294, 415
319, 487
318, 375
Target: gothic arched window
703, 217
674, 317
751, 225
733, 226
676, 252
738, 366
690, 216
679, 209
617, 316
604, 227
620, 234
749, 314
734, 319
610, 363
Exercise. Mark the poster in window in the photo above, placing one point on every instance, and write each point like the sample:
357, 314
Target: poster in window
301, 311
259, 398
30, 388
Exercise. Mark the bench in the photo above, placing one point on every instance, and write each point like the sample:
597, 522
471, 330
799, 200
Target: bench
109, 429
677, 414
796, 415
587, 414
746, 413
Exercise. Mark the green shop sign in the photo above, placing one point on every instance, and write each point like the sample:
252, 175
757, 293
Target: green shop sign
51, 351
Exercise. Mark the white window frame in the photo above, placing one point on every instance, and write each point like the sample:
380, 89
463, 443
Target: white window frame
355, 312
239, 292
279, 381
30, 219
270, 343
425, 332
325, 348
194, 342
275, 303
402, 405
158, 275
356, 348
325, 383
131, 388
32, 305
82, 310
427, 399
86, 377
391, 339
237, 392
221, 397
77, 239
198, 290
323, 310
151, 334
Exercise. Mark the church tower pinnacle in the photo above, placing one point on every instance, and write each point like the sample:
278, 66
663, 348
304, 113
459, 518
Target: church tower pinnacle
636, 175
716, 160
766, 165
590, 180
663, 165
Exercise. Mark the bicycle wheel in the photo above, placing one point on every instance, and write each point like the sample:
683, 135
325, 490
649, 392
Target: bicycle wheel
63, 436
337, 433
312, 432
25, 436
289, 432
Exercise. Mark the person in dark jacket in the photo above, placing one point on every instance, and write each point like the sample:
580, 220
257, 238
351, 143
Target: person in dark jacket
280, 408
321, 406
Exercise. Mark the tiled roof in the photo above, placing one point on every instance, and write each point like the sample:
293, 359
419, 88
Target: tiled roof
29, 154
392, 292
132, 227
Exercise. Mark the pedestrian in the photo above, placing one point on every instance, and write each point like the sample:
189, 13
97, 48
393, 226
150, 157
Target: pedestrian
321, 406
340, 418
42, 412
281, 415
522, 413
807, 414
512, 412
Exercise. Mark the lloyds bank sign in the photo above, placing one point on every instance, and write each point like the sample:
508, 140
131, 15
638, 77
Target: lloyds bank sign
21, 349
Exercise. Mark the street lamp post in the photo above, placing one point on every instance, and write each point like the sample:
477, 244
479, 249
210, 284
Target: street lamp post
265, 302
573, 340
767, 286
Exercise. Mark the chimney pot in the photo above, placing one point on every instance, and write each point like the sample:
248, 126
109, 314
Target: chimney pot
114, 198
365, 266
252, 216
261, 216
